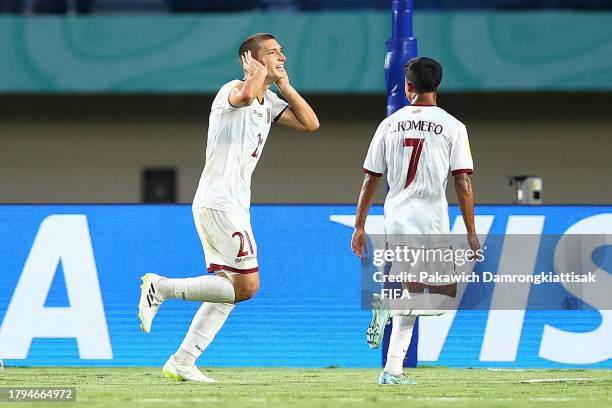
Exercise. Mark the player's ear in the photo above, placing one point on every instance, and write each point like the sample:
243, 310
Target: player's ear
409, 89
261, 59
410, 86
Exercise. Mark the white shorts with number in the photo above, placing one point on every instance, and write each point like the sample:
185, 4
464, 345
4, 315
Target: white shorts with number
228, 241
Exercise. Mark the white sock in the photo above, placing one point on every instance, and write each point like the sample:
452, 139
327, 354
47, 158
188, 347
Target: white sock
212, 288
399, 343
208, 320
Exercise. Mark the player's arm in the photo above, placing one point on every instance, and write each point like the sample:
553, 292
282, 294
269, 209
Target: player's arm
359, 242
465, 196
298, 115
255, 75
374, 166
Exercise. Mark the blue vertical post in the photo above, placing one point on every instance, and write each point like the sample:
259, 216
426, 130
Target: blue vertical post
401, 47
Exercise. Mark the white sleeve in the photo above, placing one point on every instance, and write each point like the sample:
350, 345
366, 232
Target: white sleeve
461, 155
375, 163
224, 94
278, 105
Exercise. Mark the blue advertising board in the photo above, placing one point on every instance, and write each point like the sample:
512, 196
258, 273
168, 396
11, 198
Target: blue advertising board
70, 276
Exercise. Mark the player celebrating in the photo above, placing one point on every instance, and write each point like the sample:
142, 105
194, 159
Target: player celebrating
240, 120
417, 146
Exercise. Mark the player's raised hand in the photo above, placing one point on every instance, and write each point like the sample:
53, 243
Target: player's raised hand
250, 65
283, 77
359, 242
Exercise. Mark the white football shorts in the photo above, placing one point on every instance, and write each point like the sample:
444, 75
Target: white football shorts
227, 239
430, 294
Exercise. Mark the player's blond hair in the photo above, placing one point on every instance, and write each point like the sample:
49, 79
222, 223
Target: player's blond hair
253, 43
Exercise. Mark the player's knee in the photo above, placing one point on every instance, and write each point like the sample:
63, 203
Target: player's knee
246, 292
251, 290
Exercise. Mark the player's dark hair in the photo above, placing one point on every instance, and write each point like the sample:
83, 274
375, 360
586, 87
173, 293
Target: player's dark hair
424, 73
253, 43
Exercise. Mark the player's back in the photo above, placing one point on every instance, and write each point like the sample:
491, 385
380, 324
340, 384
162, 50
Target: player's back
417, 146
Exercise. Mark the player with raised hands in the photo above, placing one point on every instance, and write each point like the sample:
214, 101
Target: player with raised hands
240, 119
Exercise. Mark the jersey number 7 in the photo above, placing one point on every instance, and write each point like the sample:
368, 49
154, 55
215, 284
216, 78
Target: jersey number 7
415, 154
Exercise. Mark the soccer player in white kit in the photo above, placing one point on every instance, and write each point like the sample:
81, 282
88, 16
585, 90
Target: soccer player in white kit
417, 147
240, 120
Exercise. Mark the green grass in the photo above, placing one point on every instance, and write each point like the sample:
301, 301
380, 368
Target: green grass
332, 387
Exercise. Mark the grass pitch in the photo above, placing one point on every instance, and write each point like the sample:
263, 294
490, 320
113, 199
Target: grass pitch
331, 387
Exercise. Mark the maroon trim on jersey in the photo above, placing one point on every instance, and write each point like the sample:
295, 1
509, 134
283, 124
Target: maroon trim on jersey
277, 117
459, 171
371, 173
422, 105
215, 267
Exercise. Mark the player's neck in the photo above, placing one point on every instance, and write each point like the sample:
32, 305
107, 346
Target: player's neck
424, 99
267, 83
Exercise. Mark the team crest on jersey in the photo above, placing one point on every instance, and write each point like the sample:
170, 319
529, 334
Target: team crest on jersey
258, 113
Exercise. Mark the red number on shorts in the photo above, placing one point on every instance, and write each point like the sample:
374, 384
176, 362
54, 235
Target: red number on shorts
417, 147
241, 251
249, 241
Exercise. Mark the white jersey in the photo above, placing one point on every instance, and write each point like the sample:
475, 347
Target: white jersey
417, 146
236, 137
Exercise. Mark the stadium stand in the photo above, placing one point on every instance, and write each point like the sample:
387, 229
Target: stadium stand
110, 6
